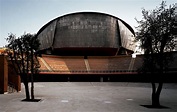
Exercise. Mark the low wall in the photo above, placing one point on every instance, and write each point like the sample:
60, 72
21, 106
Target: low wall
8, 76
3, 74
14, 79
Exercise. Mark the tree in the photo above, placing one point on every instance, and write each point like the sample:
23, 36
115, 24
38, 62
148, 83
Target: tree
156, 33
21, 52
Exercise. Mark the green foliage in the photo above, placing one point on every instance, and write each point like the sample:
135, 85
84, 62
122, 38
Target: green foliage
22, 53
156, 35
20, 50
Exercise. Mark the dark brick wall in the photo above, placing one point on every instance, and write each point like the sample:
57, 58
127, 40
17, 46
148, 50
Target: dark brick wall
3, 74
13, 77
8, 75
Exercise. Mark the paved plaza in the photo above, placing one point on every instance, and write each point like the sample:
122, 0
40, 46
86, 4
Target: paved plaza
90, 97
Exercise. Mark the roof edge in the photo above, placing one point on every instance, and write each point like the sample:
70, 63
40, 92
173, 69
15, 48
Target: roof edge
126, 24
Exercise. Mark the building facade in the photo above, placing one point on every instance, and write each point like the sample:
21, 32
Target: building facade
87, 33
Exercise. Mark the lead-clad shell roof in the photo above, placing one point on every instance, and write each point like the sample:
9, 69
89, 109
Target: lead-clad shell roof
86, 30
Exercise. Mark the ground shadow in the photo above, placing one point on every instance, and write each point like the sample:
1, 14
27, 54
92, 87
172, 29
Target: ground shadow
31, 100
155, 107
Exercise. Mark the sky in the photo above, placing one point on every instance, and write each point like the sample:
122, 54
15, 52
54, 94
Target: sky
28, 16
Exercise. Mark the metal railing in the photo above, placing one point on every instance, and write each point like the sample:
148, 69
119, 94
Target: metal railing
90, 71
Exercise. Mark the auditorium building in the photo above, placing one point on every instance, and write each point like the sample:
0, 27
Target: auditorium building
87, 43
88, 46
85, 46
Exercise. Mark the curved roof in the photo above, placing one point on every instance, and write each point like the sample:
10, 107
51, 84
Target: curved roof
127, 25
86, 33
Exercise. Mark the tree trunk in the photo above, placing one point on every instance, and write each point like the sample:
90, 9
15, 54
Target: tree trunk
26, 90
32, 71
24, 77
32, 88
156, 94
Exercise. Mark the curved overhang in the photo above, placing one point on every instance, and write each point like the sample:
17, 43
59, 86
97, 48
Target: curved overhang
86, 33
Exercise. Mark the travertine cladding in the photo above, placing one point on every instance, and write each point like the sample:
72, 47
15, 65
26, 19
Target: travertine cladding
97, 63
63, 63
